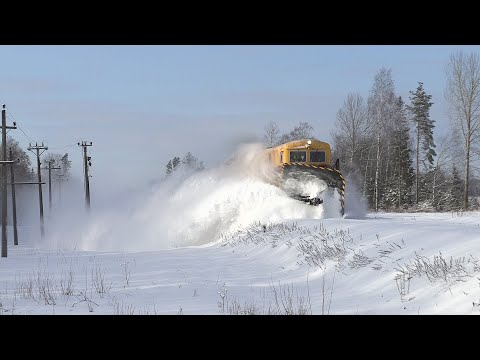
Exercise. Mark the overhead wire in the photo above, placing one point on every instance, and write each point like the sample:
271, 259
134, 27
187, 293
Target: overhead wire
56, 147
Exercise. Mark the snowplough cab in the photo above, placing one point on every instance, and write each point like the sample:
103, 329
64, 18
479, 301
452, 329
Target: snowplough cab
305, 171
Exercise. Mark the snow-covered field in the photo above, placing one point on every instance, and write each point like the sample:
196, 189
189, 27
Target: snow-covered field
225, 241
382, 264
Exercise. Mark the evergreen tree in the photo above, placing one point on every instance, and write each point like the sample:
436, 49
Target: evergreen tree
169, 167
441, 182
403, 165
175, 162
420, 108
425, 190
452, 200
188, 161
192, 162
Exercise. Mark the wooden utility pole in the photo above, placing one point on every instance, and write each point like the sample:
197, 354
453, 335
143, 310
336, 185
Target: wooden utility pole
14, 202
3, 162
37, 148
50, 168
86, 164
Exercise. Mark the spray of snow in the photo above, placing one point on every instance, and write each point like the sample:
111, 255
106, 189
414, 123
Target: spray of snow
192, 209
355, 204
310, 185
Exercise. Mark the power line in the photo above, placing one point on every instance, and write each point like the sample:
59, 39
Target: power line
23, 132
10, 115
60, 147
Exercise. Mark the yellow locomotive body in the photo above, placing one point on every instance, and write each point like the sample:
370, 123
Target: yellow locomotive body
306, 159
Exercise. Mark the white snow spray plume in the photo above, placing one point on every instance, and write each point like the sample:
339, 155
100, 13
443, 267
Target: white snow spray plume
310, 185
190, 209
355, 205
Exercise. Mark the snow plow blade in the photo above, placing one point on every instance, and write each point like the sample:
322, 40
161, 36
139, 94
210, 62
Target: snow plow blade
306, 172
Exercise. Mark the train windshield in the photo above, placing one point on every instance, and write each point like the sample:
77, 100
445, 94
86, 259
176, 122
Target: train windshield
317, 156
298, 156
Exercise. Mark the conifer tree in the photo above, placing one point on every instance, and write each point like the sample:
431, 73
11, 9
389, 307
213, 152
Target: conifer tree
169, 167
420, 109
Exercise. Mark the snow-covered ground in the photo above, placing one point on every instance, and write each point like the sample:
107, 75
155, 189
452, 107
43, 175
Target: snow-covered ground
381, 264
226, 241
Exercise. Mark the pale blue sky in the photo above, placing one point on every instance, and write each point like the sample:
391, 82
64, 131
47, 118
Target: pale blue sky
141, 105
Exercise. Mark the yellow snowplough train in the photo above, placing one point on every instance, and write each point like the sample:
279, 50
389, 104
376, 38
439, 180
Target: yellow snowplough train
306, 161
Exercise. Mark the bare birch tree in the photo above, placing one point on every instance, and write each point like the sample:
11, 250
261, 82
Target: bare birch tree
443, 159
380, 102
463, 97
302, 131
352, 123
272, 132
